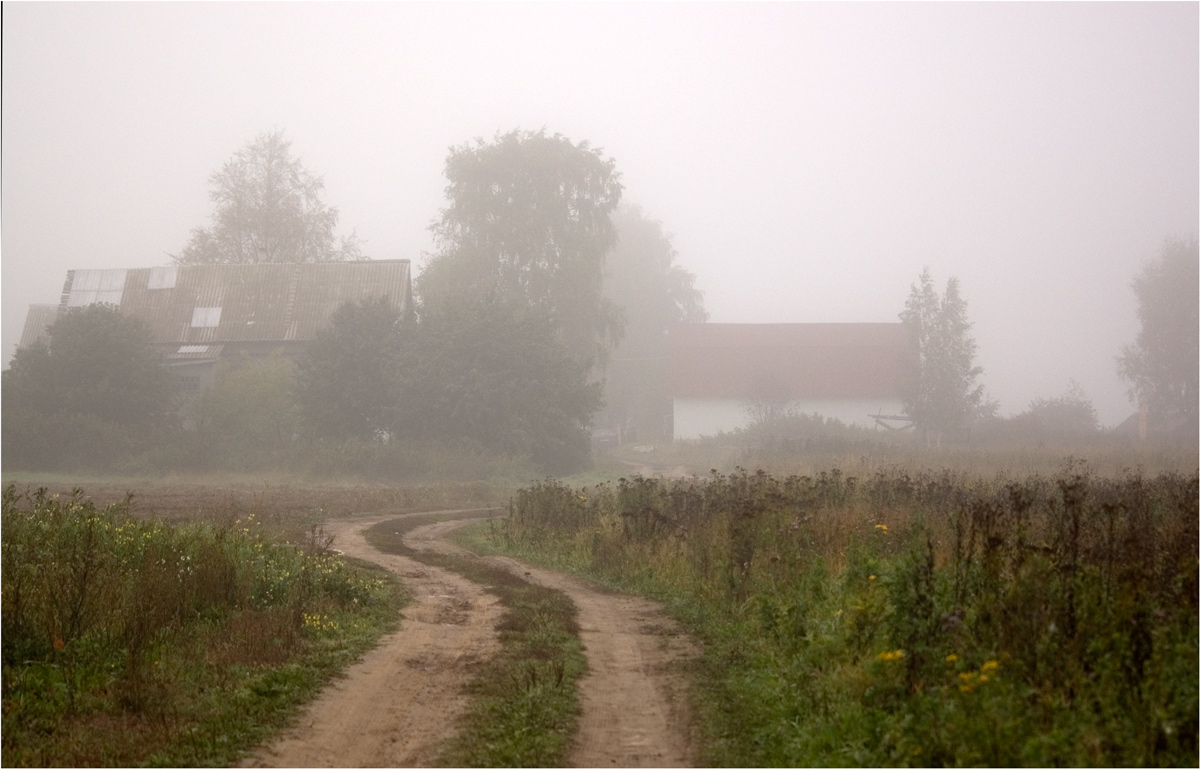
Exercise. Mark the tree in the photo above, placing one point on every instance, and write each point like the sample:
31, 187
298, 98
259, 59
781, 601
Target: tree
1161, 366
942, 393
248, 416
653, 293
495, 374
268, 209
348, 381
528, 221
96, 394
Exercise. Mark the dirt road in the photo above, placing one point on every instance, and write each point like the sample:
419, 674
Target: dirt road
394, 707
401, 700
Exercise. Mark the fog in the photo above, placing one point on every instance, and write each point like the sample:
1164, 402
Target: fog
810, 159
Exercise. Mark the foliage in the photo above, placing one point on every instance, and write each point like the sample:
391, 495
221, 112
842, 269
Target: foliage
653, 293
1070, 415
269, 208
942, 394
97, 394
348, 381
488, 377
195, 639
527, 222
494, 374
1162, 366
911, 620
247, 417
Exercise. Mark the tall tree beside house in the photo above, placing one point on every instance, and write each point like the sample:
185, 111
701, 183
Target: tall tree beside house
528, 221
943, 393
653, 292
268, 208
349, 378
93, 396
1163, 365
493, 374
246, 420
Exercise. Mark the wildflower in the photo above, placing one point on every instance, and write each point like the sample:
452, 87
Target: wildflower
872, 577
989, 666
951, 658
881, 527
892, 656
58, 644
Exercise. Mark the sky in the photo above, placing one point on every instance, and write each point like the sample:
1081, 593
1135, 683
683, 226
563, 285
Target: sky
809, 159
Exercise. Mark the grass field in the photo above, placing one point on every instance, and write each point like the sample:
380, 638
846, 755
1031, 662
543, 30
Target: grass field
909, 618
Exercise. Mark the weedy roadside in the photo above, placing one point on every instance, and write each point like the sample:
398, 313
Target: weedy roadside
129, 641
908, 618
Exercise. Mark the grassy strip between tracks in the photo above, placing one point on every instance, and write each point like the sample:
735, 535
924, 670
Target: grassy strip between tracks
524, 705
131, 642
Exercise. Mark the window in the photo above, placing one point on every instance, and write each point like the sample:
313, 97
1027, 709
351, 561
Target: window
206, 317
162, 277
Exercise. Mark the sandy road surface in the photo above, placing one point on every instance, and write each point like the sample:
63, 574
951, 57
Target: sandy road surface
396, 705
399, 702
634, 698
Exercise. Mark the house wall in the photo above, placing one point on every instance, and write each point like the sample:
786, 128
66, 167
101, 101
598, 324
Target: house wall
698, 417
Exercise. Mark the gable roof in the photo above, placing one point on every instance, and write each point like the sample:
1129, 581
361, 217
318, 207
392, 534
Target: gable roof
787, 360
216, 304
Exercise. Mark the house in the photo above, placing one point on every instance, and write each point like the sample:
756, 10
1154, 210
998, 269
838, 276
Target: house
200, 314
720, 373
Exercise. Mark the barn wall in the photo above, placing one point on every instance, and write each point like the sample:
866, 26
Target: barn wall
697, 417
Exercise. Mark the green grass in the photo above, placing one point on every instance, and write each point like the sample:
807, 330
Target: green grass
896, 619
524, 704
133, 642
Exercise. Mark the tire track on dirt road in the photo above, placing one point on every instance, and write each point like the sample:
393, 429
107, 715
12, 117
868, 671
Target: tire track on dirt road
397, 704
634, 698
402, 700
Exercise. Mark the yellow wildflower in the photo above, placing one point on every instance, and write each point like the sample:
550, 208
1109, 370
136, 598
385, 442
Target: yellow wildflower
872, 577
892, 656
989, 666
951, 658
881, 527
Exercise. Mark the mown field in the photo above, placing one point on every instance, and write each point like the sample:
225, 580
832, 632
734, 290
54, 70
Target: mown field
897, 618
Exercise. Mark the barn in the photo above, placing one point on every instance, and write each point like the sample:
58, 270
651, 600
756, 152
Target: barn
200, 314
720, 373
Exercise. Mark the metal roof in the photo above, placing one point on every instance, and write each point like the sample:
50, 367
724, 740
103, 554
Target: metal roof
216, 304
787, 360
38, 321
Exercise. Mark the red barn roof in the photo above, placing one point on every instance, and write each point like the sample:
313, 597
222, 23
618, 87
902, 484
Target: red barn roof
787, 360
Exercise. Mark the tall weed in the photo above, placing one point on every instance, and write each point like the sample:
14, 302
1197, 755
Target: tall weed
925, 618
106, 616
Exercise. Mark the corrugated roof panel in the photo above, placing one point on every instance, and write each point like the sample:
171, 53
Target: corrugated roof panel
38, 321
259, 302
162, 277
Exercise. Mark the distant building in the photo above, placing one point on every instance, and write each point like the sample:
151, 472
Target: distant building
721, 372
198, 315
